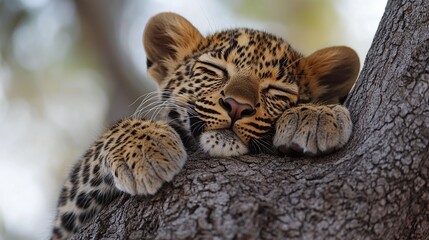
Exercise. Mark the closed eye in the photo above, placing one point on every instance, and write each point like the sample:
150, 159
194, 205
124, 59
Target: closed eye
210, 69
281, 90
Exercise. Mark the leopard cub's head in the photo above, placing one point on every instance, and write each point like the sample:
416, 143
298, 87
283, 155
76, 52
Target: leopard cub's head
227, 89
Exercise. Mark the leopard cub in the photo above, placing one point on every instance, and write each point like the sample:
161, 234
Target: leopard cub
231, 93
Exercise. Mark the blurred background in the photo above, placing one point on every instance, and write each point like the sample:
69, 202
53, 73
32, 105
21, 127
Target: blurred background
68, 69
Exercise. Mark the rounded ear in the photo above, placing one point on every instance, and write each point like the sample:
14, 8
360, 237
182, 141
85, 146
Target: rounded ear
168, 38
331, 73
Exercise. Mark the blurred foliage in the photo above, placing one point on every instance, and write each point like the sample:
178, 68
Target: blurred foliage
52, 104
303, 20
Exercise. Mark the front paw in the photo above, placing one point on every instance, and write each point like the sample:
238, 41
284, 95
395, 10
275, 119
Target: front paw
313, 129
152, 153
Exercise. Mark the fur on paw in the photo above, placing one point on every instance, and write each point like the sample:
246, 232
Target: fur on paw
313, 129
152, 153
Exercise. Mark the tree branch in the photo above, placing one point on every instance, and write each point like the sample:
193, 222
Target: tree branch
376, 187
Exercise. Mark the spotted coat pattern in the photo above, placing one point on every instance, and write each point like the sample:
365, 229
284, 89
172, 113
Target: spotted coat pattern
234, 92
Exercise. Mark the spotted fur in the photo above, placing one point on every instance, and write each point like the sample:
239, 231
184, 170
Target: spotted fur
234, 92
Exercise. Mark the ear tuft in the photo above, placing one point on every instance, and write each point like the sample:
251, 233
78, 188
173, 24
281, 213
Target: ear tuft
168, 38
333, 72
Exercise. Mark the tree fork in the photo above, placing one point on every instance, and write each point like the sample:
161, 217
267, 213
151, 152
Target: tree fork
376, 187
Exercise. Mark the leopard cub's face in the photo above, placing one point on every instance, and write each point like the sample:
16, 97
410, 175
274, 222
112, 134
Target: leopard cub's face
227, 89
236, 85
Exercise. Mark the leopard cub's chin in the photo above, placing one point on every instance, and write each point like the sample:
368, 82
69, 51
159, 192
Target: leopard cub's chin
222, 143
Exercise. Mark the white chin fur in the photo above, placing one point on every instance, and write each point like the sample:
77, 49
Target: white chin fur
222, 143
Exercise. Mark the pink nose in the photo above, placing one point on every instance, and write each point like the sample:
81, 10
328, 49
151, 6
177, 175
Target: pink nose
236, 110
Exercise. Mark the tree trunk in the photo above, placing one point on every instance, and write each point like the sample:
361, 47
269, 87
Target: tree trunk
375, 188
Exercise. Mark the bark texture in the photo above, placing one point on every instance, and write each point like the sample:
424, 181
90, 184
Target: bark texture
377, 187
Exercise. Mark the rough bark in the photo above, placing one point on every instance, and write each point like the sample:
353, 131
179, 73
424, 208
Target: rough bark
375, 188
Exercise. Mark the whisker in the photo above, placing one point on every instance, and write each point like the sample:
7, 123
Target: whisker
143, 105
266, 145
144, 95
158, 103
294, 62
199, 129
